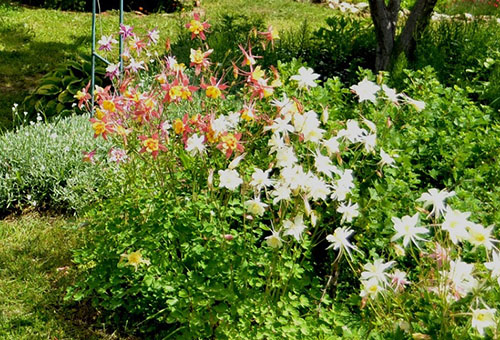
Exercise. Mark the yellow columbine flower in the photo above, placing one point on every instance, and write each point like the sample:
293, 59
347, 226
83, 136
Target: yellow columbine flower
151, 144
108, 105
99, 114
135, 259
79, 95
175, 92
229, 141
178, 126
258, 74
185, 93
196, 56
99, 127
213, 92
195, 26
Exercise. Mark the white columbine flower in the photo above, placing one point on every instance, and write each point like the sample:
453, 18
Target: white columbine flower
352, 132
306, 77
343, 185
276, 142
483, 318
371, 288
390, 93
436, 198
376, 270
386, 159
256, 207
366, 90
417, 104
339, 240
332, 145
281, 192
281, 125
285, 157
370, 141
481, 236
274, 240
229, 179
260, 179
494, 266
195, 145
460, 275
348, 211
324, 165
317, 188
295, 228
455, 222
398, 280
406, 227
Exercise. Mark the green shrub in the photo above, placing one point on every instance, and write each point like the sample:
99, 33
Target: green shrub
42, 165
55, 94
464, 54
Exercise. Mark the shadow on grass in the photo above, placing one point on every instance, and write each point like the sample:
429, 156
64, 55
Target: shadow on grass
24, 60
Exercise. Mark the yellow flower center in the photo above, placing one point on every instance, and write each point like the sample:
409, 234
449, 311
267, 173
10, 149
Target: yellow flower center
99, 127
151, 144
195, 26
178, 126
197, 57
258, 74
134, 258
108, 105
80, 95
213, 92
229, 142
175, 92
99, 114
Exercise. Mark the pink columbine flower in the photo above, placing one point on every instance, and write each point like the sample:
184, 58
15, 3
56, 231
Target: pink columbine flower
196, 27
88, 157
398, 280
126, 31
106, 43
118, 155
112, 71
153, 36
135, 65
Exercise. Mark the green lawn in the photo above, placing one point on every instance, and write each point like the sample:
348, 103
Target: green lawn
34, 41
35, 254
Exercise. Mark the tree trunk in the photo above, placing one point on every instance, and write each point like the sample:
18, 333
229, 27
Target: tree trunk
418, 20
384, 19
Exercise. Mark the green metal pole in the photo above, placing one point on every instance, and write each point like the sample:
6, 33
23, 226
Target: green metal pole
92, 77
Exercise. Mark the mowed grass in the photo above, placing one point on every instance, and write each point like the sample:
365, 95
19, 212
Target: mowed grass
35, 41
35, 261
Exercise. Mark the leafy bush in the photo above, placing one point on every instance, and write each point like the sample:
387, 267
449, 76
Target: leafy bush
236, 207
55, 93
463, 53
41, 165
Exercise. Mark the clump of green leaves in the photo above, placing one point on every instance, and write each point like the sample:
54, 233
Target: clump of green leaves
55, 93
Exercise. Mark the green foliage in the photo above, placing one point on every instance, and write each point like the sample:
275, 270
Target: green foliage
464, 54
55, 94
41, 165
